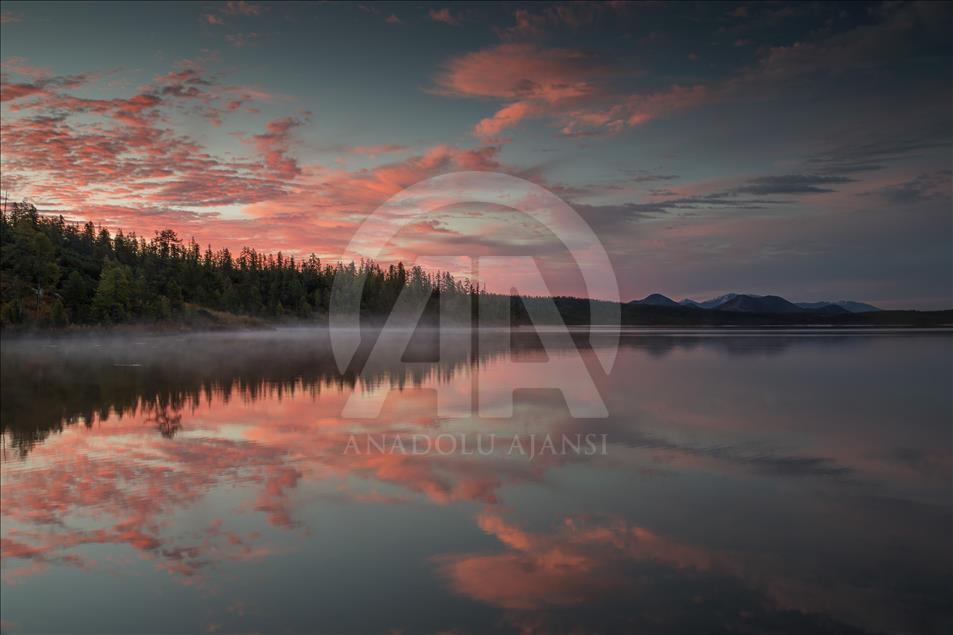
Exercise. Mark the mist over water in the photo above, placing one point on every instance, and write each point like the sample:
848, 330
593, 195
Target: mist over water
782, 481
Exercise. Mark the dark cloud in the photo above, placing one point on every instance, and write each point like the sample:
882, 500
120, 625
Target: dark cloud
926, 187
605, 218
758, 460
874, 154
645, 176
792, 184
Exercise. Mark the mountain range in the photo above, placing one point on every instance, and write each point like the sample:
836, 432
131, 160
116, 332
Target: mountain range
749, 303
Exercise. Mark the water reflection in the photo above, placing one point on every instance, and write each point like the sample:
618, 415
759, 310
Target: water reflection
759, 482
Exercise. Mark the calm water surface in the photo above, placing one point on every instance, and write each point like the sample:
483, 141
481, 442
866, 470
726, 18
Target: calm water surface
782, 482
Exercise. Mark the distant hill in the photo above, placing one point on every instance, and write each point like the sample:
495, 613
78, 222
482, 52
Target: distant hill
759, 304
576, 311
750, 303
847, 305
656, 299
709, 304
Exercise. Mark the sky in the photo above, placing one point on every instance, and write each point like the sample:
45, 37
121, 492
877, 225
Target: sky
801, 149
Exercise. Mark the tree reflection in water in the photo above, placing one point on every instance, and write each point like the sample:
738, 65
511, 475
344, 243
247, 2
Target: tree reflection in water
778, 494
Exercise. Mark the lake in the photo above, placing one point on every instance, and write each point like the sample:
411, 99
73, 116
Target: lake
743, 481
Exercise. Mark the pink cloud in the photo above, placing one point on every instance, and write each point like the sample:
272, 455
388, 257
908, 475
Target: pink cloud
117, 161
634, 110
9, 17
241, 40
568, 86
530, 24
39, 81
233, 8
578, 564
273, 145
242, 8
121, 162
506, 117
581, 94
443, 15
133, 517
520, 71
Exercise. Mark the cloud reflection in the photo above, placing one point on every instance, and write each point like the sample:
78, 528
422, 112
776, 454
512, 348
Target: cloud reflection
752, 514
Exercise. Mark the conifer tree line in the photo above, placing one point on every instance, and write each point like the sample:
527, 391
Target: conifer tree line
56, 273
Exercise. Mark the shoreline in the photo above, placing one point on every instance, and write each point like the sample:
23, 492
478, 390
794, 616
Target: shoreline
172, 329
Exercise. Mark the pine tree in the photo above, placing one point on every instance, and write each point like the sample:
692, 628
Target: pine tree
111, 302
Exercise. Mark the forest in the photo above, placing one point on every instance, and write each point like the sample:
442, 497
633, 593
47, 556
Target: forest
56, 274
